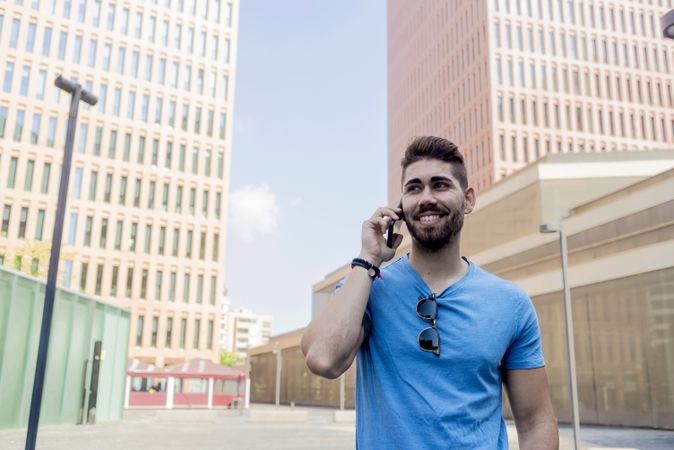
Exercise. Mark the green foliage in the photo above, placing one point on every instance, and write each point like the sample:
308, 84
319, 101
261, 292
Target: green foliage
231, 359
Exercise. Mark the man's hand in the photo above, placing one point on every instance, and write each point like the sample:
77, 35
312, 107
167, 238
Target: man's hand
373, 242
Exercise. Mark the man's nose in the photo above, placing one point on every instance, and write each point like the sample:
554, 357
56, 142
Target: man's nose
427, 196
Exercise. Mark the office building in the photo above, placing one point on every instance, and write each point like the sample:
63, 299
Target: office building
146, 214
242, 329
510, 81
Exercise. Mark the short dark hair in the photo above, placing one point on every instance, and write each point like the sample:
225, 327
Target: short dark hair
433, 147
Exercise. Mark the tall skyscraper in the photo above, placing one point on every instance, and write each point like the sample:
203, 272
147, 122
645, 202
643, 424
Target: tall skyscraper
512, 80
145, 220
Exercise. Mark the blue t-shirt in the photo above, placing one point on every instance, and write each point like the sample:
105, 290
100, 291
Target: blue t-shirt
407, 398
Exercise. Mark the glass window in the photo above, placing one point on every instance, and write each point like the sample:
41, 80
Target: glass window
119, 229
46, 171
14, 33
188, 246
88, 226
197, 332
30, 37
122, 190
132, 239
169, 332
41, 83
129, 282
35, 128
92, 185
139, 330
77, 50
172, 290
72, 228
25, 81
114, 281
39, 226
104, 233
148, 238
18, 125
6, 215
157, 285
77, 183
162, 240
186, 288
131, 105
9, 76
63, 42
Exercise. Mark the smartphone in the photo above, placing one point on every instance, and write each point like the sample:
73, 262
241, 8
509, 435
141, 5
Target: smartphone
390, 233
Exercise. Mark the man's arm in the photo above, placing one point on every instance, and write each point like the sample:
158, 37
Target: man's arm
530, 403
331, 341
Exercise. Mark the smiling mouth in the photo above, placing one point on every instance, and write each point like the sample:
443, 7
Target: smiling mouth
430, 218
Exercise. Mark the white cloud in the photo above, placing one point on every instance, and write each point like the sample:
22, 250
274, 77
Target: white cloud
253, 211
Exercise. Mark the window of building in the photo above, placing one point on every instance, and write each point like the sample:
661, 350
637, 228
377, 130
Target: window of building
129, 282
6, 215
176, 241
9, 76
143, 284
196, 333
113, 282
186, 288
119, 227
11, 175
157, 285
18, 125
39, 225
99, 279
104, 233
169, 332
139, 330
23, 222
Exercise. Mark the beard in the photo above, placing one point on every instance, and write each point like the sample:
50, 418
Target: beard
437, 237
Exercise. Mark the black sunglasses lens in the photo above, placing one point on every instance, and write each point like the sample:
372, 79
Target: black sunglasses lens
429, 340
427, 308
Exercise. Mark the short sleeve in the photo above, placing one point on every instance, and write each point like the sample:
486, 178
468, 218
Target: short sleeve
525, 350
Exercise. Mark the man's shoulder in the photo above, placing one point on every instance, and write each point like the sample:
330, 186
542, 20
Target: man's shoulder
485, 279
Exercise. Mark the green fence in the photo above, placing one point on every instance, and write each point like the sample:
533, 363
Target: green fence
78, 322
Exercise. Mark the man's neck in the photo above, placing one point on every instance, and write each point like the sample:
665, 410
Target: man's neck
438, 268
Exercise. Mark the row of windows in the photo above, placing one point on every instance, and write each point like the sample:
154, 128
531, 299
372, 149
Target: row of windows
114, 59
126, 237
599, 84
127, 102
182, 287
115, 146
213, 10
595, 16
592, 49
206, 47
168, 339
173, 197
585, 118
519, 148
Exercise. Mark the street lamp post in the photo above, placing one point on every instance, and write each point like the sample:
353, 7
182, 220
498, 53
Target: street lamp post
77, 94
667, 23
568, 316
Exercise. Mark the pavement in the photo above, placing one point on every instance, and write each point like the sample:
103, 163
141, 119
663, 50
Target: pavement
264, 427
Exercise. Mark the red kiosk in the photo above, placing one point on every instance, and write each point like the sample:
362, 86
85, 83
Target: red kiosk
198, 383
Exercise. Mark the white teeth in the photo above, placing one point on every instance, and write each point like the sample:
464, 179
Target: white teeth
428, 218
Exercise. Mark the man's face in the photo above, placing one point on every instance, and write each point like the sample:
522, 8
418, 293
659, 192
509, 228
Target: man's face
434, 203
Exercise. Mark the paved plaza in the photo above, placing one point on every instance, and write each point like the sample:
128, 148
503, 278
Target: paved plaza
264, 428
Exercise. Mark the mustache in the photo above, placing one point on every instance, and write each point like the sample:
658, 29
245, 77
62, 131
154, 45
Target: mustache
430, 208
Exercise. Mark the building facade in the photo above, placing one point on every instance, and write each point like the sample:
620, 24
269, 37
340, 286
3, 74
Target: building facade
242, 329
512, 80
146, 213
618, 212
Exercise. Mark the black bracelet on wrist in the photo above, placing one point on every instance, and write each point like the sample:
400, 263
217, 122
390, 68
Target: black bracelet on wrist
372, 270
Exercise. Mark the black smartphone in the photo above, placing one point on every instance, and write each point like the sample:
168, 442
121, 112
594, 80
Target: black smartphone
390, 233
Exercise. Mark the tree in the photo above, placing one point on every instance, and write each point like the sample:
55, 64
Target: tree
231, 359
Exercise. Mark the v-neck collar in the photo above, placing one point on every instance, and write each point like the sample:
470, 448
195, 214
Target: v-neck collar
458, 283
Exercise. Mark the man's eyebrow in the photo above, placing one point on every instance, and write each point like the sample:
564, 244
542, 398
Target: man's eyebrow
413, 181
441, 178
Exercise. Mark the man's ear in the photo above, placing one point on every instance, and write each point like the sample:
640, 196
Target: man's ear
469, 200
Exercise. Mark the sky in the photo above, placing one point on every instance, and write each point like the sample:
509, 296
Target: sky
308, 161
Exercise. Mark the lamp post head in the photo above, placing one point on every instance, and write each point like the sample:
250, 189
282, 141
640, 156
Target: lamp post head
547, 228
667, 22
71, 86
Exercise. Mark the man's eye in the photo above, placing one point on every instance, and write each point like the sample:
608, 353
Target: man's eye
441, 185
412, 188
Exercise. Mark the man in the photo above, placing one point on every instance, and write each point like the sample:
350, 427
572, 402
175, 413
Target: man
436, 335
